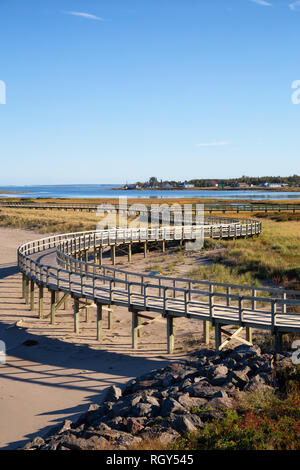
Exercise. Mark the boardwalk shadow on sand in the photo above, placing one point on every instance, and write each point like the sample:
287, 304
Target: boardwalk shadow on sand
67, 367
8, 269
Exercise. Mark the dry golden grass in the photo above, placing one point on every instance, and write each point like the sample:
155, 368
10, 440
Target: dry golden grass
48, 221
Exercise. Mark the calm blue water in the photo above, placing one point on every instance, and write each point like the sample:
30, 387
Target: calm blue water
107, 190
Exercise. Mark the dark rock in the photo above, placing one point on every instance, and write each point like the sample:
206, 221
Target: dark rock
230, 363
184, 424
166, 436
94, 416
145, 409
153, 401
37, 442
196, 420
170, 405
185, 383
203, 390
256, 383
73, 443
123, 405
60, 428
116, 423
219, 394
188, 402
138, 385
218, 375
220, 403
133, 426
241, 378
169, 380
125, 441
94, 407
113, 393
244, 352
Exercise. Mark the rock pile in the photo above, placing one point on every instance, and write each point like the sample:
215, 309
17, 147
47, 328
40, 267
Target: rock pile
166, 403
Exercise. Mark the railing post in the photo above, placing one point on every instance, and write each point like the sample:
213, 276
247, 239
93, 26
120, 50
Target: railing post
241, 309
254, 294
211, 301
284, 297
228, 293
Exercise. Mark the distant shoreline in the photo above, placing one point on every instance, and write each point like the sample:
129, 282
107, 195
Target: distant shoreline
13, 192
282, 190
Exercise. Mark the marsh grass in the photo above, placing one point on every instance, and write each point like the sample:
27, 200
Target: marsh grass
273, 256
48, 221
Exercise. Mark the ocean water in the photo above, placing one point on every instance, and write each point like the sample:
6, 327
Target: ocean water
111, 191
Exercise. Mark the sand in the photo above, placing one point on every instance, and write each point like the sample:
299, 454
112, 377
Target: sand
61, 375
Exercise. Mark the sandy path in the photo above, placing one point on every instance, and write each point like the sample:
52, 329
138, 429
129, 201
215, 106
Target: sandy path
61, 375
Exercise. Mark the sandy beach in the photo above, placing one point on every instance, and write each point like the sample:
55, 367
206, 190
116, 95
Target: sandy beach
60, 375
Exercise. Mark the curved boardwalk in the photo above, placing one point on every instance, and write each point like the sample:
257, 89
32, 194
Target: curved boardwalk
73, 264
209, 207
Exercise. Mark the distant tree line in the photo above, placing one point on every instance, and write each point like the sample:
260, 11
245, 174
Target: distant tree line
249, 180
254, 180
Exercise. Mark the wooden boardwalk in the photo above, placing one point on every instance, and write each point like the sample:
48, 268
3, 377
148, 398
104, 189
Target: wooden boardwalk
216, 207
75, 268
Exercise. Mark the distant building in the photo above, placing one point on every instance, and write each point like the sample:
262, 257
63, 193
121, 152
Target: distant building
213, 183
241, 185
273, 185
186, 185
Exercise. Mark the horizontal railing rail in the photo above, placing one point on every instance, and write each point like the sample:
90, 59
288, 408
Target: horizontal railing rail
220, 206
265, 306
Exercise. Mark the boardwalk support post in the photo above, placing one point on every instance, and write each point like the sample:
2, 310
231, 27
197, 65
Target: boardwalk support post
31, 295
110, 317
26, 290
41, 298
170, 334
52, 306
23, 286
76, 315
278, 341
134, 329
206, 331
249, 334
99, 322
129, 252
87, 311
113, 254
218, 336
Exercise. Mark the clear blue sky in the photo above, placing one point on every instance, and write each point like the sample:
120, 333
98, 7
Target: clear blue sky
104, 91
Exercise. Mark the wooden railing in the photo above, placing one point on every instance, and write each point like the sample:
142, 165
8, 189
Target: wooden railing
209, 207
254, 306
